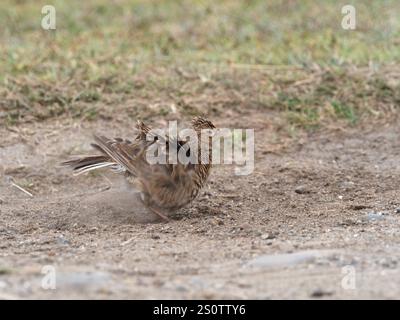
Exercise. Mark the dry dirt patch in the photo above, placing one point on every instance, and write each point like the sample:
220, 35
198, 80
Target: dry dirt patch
310, 208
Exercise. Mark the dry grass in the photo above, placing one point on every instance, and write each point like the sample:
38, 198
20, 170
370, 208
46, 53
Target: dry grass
179, 58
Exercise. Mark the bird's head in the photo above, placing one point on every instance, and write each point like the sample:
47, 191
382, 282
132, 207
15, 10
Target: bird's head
200, 123
205, 132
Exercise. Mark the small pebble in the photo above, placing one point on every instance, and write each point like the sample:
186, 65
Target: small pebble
373, 216
62, 240
267, 236
56, 181
318, 293
301, 190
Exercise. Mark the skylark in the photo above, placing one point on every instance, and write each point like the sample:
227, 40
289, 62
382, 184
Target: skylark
163, 187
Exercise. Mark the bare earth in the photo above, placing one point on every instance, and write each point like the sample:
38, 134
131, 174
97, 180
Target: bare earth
314, 206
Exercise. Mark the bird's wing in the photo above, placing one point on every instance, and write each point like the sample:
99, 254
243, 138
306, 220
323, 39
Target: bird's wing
123, 152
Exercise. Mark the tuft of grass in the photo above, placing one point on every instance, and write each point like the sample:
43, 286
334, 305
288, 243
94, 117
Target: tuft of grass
336, 94
203, 56
5, 271
344, 111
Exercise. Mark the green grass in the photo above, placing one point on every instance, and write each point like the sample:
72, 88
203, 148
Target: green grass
344, 111
334, 95
122, 56
4, 271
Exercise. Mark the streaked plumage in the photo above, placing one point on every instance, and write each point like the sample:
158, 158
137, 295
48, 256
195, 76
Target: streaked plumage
164, 188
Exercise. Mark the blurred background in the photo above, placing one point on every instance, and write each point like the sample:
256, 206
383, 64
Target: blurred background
203, 56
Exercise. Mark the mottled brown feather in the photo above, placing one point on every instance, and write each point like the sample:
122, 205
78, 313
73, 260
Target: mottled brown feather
165, 187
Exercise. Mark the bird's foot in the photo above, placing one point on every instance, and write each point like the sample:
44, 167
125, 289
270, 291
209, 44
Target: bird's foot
160, 214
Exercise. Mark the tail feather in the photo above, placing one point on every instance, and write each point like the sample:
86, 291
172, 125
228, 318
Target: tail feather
96, 166
82, 165
85, 161
118, 154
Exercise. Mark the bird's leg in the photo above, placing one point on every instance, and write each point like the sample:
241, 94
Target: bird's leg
144, 197
160, 214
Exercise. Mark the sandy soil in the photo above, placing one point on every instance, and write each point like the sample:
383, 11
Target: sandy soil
317, 210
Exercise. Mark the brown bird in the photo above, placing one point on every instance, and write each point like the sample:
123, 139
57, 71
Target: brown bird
164, 188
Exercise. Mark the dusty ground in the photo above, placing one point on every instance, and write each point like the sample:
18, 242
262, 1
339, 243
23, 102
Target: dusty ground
313, 205
321, 208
